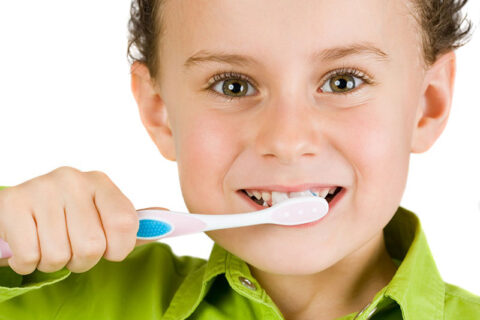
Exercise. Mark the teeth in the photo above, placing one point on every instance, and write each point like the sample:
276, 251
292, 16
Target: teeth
266, 196
323, 193
300, 194
277, 197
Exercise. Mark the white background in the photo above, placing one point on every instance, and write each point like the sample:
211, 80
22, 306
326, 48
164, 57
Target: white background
65, 100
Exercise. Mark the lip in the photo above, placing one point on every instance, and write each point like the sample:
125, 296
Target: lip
331, 205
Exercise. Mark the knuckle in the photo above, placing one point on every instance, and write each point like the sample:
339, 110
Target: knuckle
65, 172
67, 178
98, 174
92, 248
22, 269
28, 258
55, 259
116, 257
126, 223
77, 267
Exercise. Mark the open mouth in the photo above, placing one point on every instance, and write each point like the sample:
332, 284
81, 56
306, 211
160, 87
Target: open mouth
267, 199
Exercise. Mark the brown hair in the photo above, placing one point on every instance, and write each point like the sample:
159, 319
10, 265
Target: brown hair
440, 23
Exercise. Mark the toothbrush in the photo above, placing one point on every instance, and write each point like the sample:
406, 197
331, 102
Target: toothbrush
156, 223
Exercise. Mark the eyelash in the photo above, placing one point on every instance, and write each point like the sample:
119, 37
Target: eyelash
364, 76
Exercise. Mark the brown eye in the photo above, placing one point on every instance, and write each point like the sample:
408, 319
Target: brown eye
342, 82
234, 87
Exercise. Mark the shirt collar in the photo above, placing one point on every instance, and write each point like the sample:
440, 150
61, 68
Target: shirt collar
416, 287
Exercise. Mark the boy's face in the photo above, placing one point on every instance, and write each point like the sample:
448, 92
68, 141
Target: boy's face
291, 126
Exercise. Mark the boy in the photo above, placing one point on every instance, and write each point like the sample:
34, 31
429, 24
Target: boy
254, 98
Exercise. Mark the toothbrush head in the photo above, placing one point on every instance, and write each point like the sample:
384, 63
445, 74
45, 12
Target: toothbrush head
161, 223
150, 228
299, 210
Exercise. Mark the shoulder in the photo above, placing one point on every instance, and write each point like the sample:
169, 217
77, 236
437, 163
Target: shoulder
460, 302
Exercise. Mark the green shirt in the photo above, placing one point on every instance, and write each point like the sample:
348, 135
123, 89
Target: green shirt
154, 283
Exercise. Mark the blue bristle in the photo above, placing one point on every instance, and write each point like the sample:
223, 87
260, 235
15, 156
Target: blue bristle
153, 228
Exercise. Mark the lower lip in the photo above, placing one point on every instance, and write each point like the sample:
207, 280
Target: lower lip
331, 205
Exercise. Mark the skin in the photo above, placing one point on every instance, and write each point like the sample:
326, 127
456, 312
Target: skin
287, 131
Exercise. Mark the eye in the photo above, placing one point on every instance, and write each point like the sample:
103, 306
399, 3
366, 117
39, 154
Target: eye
231, 85
343, 81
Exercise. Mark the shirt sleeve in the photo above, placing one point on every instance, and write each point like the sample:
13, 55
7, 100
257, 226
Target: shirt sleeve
13, 284
139, 287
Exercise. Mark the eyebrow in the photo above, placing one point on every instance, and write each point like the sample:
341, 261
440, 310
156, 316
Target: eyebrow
329, 54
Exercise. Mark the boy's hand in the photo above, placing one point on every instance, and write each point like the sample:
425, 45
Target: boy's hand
66, 217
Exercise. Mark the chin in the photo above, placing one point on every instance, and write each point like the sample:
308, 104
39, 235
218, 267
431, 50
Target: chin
287, 255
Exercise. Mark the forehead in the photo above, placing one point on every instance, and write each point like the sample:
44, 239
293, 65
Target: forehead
285, 29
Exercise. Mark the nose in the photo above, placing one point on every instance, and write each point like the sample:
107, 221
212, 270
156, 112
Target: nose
288, 131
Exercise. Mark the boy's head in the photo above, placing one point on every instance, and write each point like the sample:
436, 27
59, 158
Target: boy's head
281, 116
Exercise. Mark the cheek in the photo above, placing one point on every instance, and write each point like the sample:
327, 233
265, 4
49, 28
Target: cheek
205, 148
377, 145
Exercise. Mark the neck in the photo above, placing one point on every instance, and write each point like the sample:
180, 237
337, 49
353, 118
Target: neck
341, 289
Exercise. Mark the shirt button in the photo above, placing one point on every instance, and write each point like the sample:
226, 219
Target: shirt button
247, 283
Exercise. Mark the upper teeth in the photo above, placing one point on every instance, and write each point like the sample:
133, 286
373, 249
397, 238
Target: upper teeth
277, 197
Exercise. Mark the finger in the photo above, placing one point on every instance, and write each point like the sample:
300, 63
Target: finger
118, 215
21, 235
85, 232
139, 242
55, 249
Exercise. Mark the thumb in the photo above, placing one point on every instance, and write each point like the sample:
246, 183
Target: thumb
139, 242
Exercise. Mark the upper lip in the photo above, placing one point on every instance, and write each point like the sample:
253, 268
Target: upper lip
295, 188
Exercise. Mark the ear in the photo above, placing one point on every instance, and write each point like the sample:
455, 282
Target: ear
434, 104
153, 111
